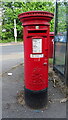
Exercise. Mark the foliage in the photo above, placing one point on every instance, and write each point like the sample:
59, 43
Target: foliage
62, 12
50, 60
11, 11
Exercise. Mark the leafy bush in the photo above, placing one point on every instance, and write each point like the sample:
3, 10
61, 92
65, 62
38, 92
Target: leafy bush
11, 11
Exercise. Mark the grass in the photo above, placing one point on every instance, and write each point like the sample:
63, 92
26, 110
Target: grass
10, 40
50, 60
5, 41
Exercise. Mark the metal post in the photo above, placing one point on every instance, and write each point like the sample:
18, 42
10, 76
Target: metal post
55, 29
15, 31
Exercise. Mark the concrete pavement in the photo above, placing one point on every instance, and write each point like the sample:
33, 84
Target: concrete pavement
12, 108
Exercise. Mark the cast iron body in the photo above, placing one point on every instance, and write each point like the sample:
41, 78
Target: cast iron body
36, 35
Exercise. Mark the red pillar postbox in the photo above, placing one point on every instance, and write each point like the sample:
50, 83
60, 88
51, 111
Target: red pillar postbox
51, 45
36, 34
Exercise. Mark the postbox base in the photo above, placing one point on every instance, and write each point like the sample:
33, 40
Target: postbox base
36, 99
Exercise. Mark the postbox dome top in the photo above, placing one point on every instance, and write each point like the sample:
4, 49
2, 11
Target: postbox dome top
35, 12
33, 15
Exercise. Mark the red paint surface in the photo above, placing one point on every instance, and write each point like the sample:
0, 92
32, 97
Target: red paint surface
35, 72
51, 45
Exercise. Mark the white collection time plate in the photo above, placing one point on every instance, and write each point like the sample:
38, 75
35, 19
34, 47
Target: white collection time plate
37, 45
